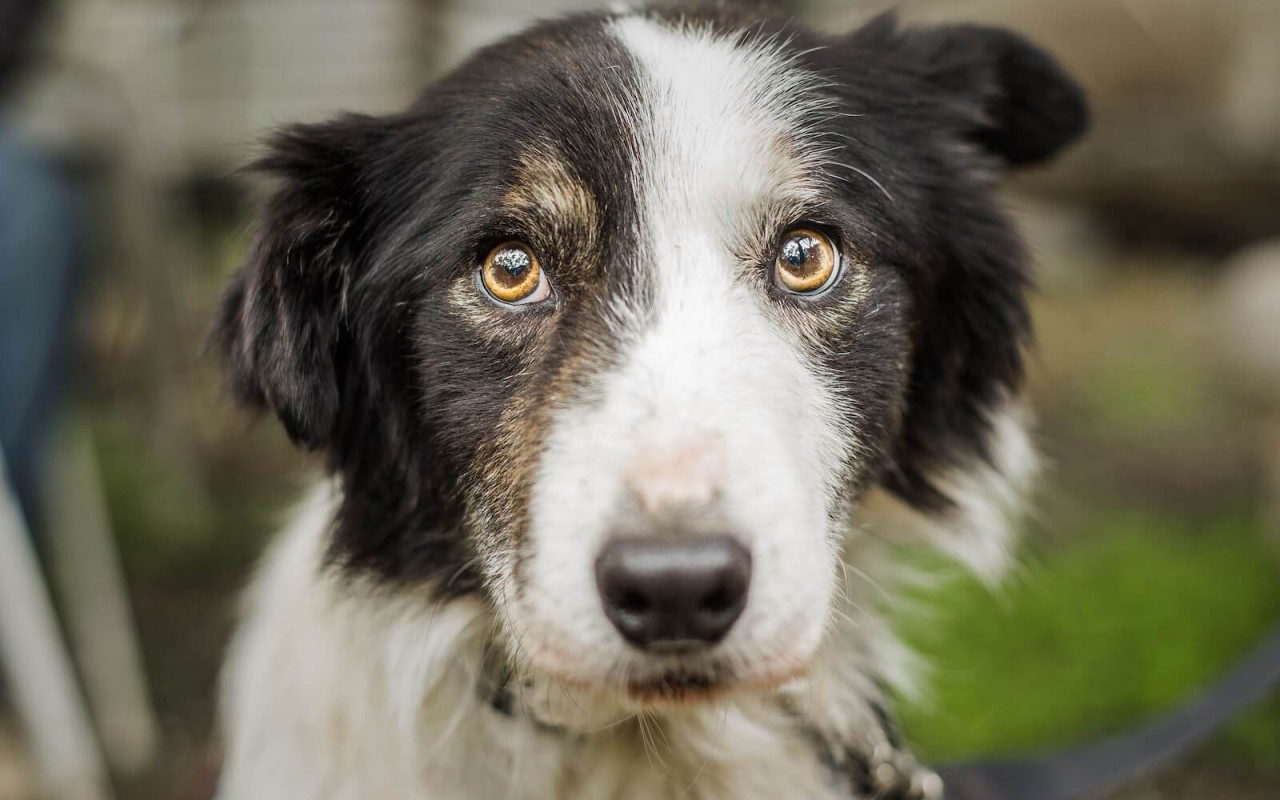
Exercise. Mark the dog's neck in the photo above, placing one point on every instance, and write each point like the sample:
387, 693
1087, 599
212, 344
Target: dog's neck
875, 766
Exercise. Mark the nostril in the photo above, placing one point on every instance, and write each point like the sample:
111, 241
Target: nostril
634, 603
719, 601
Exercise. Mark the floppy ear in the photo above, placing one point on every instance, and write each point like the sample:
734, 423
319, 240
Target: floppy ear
310, 330
281, 326
1015, 101
961, 450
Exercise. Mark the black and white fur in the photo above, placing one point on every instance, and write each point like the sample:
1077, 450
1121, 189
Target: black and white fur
428, 626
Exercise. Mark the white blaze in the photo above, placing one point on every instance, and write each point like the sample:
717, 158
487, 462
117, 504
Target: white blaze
712, 393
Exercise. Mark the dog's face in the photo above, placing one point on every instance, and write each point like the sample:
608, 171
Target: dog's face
619, 322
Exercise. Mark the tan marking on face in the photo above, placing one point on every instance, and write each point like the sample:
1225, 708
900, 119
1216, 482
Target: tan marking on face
546, 188
558, 207
500, 491
823, 327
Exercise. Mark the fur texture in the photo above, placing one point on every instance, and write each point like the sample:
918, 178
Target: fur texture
429, 626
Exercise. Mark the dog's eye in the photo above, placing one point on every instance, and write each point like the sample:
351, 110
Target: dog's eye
511, 274
807, 262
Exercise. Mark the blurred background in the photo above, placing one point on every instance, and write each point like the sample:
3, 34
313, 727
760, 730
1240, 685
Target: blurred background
1152, 562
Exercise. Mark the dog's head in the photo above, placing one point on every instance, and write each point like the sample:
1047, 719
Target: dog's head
618, 324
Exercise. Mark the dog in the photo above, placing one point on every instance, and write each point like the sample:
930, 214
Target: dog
633, 349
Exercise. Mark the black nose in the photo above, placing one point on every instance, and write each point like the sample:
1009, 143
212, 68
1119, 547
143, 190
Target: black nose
673, 596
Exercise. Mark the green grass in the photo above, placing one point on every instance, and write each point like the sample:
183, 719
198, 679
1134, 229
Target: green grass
1095, 637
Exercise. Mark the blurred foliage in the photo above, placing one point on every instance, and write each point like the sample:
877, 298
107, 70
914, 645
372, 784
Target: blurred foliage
1134, 617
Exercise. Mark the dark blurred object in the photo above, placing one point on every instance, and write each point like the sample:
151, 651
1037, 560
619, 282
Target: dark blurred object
17, 21
41, 252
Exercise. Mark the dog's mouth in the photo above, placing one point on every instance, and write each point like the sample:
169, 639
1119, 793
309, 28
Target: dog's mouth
688, 678
670, 685
678, 687
685, 686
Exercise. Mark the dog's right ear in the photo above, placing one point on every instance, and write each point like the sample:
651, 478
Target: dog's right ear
282, 320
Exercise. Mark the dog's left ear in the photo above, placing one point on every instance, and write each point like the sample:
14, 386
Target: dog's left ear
1012, 98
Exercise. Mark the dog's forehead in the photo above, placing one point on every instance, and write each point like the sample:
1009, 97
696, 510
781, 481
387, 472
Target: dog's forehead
731, 113
676, 120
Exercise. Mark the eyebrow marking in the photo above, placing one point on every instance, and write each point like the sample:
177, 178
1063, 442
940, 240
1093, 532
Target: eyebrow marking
546, 187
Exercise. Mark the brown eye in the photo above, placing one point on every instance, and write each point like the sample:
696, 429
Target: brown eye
511, 274
807, 261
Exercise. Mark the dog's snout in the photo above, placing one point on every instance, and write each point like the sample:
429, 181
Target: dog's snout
672, 596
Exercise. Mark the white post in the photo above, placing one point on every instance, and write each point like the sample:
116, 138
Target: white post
90, 583
38, 670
